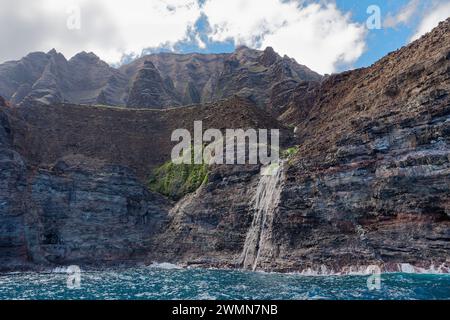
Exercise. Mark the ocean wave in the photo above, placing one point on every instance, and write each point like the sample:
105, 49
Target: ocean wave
431, 269
143, 283
60, 270
371, 269
165, 266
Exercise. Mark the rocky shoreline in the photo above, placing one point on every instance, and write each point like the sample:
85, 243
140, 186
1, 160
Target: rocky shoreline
321, 270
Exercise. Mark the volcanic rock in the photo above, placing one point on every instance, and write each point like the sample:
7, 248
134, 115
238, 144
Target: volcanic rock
366, 181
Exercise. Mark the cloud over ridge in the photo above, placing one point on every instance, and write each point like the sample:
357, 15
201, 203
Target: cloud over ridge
316, 34
439, 12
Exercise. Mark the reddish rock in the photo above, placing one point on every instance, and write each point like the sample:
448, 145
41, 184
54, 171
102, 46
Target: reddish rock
3, 102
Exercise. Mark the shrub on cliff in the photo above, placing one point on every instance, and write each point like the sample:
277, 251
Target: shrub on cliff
177, 180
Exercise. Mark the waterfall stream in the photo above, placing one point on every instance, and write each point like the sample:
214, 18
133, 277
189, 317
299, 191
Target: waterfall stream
264, 205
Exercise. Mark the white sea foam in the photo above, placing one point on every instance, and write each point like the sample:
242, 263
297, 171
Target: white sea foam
326, 271
406, 268
366, 270
206, 296
431, 269
165, 266
140, 283
59, 270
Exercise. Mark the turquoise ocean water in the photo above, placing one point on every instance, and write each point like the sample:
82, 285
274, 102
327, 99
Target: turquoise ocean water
167, 284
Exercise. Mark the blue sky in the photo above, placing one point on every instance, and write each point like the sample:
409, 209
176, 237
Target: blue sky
326, 35
385, 40
379, 42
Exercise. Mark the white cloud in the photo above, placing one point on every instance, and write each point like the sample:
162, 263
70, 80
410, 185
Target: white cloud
201, 44
144, 23
404, 16
437, 14
317, 35
108, 28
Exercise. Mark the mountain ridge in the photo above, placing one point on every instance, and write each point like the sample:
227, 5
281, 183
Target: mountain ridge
177, 79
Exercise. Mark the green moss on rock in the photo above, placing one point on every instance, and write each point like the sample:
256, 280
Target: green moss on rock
177, 180
290, 152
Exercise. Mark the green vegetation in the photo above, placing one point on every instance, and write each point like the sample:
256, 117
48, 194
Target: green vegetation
177, 180
257, 68
289, 152
291, 126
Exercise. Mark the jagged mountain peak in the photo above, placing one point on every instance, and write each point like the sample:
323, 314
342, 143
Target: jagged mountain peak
52, 52
269, 57
177, 79
85, 56
55, 55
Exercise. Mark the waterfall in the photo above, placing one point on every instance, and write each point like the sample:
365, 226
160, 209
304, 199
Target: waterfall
264, 204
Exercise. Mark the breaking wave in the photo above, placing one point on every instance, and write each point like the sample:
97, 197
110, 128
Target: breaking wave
165, 266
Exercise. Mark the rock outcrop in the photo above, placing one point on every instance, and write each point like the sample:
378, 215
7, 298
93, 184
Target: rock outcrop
149, 89
3, 102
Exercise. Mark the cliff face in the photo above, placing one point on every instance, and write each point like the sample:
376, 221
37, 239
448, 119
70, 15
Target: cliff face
12, 198
369, 184
138, 139
86, 211
371, 178
83, 198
